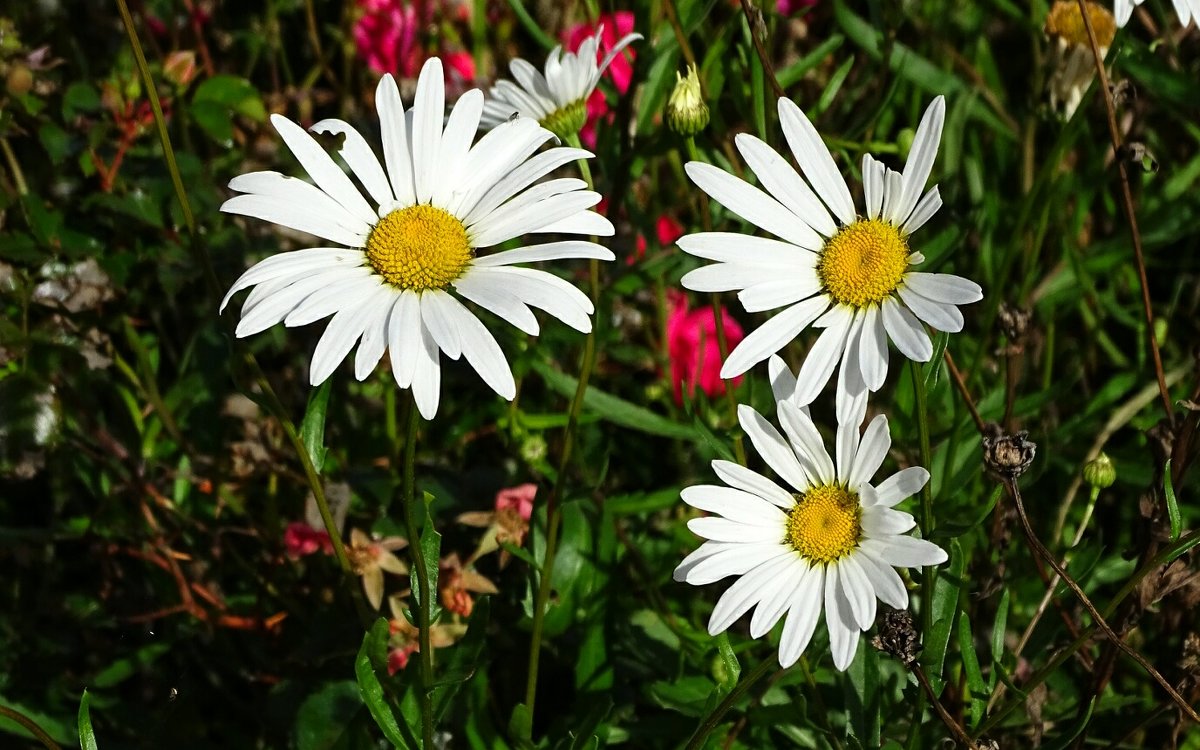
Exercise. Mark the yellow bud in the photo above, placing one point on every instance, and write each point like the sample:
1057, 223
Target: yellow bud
687, 114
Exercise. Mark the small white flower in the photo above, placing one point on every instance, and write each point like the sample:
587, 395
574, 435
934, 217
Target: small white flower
558, 99
439, 201
1070, 60
1185, 9
853, 276
832, 540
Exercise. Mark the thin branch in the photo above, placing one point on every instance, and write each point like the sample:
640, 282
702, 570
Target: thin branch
754, 20
961, 385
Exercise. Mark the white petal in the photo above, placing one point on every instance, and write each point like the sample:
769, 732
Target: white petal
847, 446
772, 447
748, 591
807, 443
906, 331
783, 382
301, 217
322, 169
901, 485
584, 222
612, 55
873, 349
280, 188
924, 211
542, 290
429, 110
920, 159
772, 336
569, 249
517, 180
736, 505
851, 391
427, 376
944, 287
843, 631
871, 451
746, 249
340, 336
460, 130
752, 204
736, 475
396, 148
942, 317
723, 530
803, 613
822, 358
404, 337
772, 605
905, 551
717, 560
493, 157
498, 301
815, 161
888, 585
360, 158
278, 299
782, 182
1123, 9
502, 225
439, 321
481, 350
881, 521
374, 337
858, 590
873, 185
309, 261
331, 297
727, 277
769, 295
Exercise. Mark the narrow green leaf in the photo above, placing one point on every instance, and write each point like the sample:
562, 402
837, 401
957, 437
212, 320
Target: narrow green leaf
312, 429
463, 659
944, 609
998, 628
614, 409
976, 687
863, 699
934, 366
431, 545
520, 726
1172, 503
733, 668
87, 738
374, 644
1065, 740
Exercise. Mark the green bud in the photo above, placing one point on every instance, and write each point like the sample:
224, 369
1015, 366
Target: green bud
566, 122
904, 141
1099, 472
10, 43
687, 114
533, 449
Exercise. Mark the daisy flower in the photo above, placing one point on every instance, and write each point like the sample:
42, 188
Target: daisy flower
1072, 65
851, 275
829, 538
406, 257
1185, 9
557, 99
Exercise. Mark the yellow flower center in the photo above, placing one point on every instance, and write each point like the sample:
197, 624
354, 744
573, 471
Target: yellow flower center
1066, 22
863, 263
419, 247
825, 525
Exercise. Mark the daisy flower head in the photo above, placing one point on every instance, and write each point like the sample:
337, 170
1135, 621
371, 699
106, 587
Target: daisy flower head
1185, 9
558, 98
826, 539
1072, 65
405, 253
851, 275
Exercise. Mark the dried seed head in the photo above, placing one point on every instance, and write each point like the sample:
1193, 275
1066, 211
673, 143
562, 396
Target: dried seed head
898, 636
1014, 322
1007, 456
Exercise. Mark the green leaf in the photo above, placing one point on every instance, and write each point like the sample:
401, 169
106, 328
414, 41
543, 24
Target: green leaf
312, 428
520, 726
1172, 503
593, 668
234, 93
944, 609
56, 142
614, 409
374, 652
977, 689
431, 546
87, 737
732, 671
325, 716
1064, 741
999, 626
862, 693
934, 366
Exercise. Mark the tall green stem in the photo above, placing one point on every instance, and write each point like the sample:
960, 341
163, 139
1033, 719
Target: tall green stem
710, 722
927, 574
423, 603
553, 509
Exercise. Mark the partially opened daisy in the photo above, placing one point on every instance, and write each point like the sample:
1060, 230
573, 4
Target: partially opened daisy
407, 254
1185, 9
557, 99
827, 539
851, 275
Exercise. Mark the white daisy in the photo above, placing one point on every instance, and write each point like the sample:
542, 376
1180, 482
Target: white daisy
1070, 60
831, 539
438, 203
851, 275
558, 99
1185, 9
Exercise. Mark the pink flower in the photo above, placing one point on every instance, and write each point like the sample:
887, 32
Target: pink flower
398, 657
620, 72
666, 229
788, 7
693, 349
519, 498
300, 539
387, 38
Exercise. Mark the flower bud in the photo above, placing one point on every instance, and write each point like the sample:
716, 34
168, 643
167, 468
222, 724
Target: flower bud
19, 80
1099, 472
687, 114
180, 67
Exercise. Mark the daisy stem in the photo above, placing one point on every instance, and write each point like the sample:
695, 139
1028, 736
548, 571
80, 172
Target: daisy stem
927, 574
1127, 202
718, 318
553, 510
425, 648
710, 722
